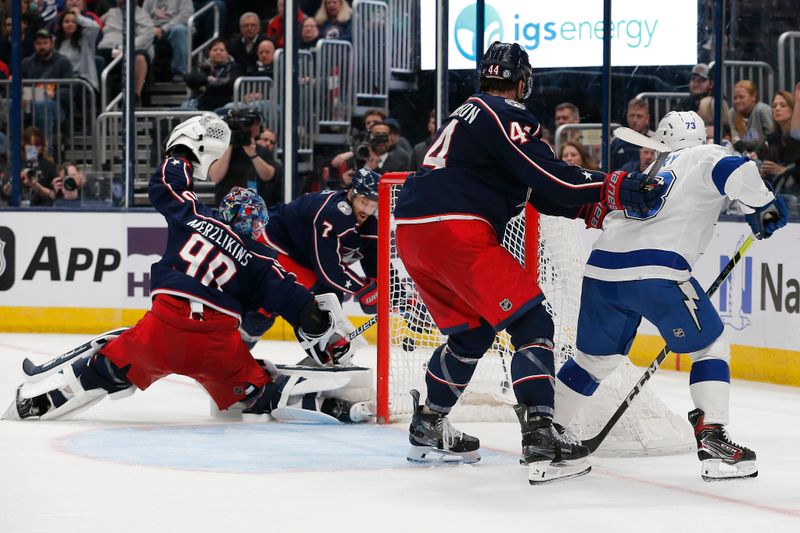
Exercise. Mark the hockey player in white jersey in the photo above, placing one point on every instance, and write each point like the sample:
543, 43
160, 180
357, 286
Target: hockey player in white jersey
641, 267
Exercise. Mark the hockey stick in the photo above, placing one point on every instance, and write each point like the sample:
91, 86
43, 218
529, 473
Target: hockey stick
37, 372
598, 439
309, 361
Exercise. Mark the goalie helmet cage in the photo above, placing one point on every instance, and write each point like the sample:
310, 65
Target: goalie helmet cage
550, 248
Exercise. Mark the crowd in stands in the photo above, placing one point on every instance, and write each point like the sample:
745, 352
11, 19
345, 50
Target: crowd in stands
66, 39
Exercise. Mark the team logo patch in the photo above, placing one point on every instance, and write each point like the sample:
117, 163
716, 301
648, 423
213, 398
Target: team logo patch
7, 245
505, 304
678, 332
506, 73
514, 103
345, 208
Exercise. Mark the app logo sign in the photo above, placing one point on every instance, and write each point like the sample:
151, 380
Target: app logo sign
7, 246
464, 32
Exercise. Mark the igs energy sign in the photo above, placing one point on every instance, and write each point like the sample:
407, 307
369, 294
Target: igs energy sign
568, 33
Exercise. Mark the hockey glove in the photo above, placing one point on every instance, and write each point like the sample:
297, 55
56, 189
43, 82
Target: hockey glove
768, 218
632, 190
318, 335
594, 214
368, 297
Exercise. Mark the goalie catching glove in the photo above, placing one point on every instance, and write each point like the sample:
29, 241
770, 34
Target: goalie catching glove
321, 331
632, 190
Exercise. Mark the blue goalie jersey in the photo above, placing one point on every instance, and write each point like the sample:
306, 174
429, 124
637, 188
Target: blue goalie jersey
206, 261
485, 162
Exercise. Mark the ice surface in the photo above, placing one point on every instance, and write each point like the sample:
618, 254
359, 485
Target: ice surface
158, 462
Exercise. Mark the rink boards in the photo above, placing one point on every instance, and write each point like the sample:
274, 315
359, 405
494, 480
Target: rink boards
89, 272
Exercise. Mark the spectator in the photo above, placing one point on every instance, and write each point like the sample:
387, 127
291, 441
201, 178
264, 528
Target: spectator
81, 5
48, 10
334, 20
389, 158
638, 117
265, 57
171, 21
700, 86
780, 154
705, 110
397, 140
37, 177
275, 25
27, 34
576, 154
110, 45
76, 39
421, 148
243, 48
48, 106
309, 33
751, 120
568, 113
646, 157
68, 184
213, 83
372, 117
271, 191
244, 163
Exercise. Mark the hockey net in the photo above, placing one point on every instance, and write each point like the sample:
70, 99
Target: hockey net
550, 248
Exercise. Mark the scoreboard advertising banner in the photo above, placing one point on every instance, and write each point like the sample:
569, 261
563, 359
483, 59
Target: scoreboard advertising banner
73, 265
567, 33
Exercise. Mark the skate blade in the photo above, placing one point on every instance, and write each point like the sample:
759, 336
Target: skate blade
718, 470
11, 413
431, 455
541, 472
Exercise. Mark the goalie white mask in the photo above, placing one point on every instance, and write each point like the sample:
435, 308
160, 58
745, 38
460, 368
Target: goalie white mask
681, 129
207, 136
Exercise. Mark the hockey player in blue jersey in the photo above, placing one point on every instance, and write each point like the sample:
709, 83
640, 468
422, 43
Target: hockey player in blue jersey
641, 267
485, 162
211, 271
319, 235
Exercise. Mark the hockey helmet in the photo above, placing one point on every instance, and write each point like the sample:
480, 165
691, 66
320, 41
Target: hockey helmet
207, 136
508, 61
245, 212
681, 129
365, 183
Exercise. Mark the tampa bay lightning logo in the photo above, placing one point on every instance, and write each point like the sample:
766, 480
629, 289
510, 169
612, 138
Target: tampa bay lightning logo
464, 31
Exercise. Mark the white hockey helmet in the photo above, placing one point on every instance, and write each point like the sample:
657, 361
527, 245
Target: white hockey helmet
207, 136
681, 129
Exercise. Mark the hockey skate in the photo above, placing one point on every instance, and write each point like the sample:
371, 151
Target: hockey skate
721, 459
549, 451
434, 440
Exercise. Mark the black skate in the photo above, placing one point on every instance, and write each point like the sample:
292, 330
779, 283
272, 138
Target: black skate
433, 439
550, 453
721, 458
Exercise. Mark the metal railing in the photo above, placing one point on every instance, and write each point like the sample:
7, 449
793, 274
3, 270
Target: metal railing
788, 60
152, 131
403, 34
661, 103
371, 29
306, 82
105, 105
333, 101
256, 92
759, 72
192, 52
64, 109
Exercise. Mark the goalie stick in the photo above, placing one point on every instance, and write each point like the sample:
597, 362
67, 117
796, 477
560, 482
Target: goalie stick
594, 442
36, 372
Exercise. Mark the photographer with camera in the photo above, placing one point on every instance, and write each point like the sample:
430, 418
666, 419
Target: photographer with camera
37, 176
244, 163
68, 184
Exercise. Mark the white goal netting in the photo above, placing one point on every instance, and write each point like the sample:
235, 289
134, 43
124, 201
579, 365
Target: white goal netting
648, 427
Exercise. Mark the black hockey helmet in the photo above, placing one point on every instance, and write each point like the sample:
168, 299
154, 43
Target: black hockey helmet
365, 183
508, 61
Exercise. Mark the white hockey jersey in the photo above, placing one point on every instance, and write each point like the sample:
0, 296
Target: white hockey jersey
666, 241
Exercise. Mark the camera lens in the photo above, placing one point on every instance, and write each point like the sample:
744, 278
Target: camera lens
70, 184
